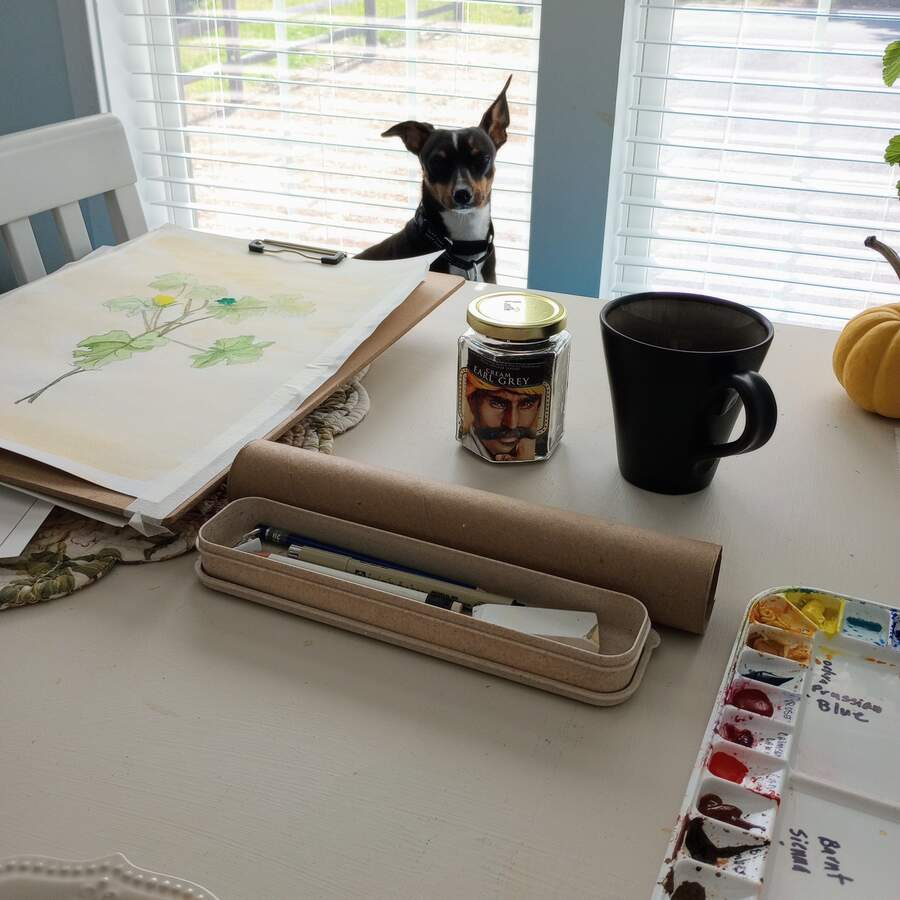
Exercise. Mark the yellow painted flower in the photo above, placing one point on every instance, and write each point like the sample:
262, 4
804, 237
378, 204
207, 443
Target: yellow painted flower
164, 300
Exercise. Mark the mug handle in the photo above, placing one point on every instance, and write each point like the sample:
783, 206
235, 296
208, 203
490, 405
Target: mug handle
760, 411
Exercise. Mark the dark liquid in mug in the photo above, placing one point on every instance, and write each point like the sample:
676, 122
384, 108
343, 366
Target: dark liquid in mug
683, 324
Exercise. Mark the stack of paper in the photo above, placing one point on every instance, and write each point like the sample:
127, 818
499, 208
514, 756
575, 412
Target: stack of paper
20, 518
143, 370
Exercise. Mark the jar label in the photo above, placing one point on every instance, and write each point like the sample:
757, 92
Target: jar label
504, 406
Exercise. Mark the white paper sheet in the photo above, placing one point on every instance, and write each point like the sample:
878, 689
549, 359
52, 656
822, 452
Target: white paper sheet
20, 518
89, 512
146, 368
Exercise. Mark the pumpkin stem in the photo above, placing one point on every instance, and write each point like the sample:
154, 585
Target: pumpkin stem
888, 253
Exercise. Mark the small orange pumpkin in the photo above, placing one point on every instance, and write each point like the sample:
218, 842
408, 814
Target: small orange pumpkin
867, 359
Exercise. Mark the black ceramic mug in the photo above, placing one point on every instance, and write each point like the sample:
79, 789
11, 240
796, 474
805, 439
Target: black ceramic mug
678, 366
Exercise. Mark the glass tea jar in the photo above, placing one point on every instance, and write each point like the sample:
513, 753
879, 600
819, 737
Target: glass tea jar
513, 372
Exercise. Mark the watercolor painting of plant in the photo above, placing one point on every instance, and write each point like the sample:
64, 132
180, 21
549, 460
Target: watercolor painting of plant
177, 302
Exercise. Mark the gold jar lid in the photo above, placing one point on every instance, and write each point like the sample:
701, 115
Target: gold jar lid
516, 316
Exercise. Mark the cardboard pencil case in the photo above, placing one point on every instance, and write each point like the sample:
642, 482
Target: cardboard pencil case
601, 678
674, 577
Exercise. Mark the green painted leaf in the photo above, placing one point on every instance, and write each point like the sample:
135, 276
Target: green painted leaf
131, 306
232, 310
290, 305
890, 64
231, 351
205, 293
113, 346
172, 281
892, 151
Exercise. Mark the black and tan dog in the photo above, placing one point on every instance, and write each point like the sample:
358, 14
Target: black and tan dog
455, 212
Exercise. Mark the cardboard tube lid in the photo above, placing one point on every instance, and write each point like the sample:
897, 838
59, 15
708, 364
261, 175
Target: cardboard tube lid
674, 577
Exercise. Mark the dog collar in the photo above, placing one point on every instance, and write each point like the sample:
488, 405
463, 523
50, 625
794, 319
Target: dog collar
454, 250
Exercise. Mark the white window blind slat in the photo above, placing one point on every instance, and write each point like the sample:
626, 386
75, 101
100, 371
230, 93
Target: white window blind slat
499, 188
834, 316
750, 212
750, 154
761, 150
759, 117
743, 82
815, 187
763, 48
782, 277
368, 23
226, 74
384, 122
795, 12
336, 199
266, 215
802, 250
265, 46
372, 23
290, 139
263, 117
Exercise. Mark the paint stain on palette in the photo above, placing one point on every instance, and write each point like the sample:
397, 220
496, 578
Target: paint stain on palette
755, 733
777, 646
703, 847
713, 807
733, 763
689, 890
762, 700
776, 611
867, 622
825, 611
768, 677
753, 700
738, 735
724, 765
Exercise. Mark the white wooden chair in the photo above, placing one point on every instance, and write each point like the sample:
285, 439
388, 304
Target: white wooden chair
52, 168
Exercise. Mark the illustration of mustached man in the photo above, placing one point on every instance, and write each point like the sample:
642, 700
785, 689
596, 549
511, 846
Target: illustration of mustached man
504, 420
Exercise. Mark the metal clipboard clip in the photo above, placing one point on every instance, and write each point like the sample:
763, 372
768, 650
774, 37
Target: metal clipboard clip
317, 254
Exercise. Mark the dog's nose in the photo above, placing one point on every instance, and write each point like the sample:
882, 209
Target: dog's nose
462, 197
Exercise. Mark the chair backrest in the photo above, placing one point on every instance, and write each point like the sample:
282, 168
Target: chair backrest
52, 168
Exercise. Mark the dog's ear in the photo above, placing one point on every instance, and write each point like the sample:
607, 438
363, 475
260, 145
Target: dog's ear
413, 134
496, 120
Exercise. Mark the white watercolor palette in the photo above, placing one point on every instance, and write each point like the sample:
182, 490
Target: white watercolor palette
795, 794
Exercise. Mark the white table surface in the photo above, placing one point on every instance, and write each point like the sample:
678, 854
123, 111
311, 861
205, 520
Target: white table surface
272, 758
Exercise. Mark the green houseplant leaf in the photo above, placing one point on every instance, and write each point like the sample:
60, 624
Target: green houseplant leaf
892, 151
890, 64
131, 306
113, 346
231, 351
892, 154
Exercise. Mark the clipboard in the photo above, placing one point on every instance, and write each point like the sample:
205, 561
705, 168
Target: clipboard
20, 471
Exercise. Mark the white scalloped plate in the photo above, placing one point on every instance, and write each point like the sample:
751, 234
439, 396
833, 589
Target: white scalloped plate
110, 878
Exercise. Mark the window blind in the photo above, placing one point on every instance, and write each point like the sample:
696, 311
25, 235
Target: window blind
263, 117
749, 162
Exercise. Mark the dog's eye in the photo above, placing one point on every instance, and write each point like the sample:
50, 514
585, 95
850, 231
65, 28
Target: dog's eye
479, 162
439, 168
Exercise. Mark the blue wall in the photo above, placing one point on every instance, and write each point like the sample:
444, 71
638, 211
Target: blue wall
36, 91
576, 108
